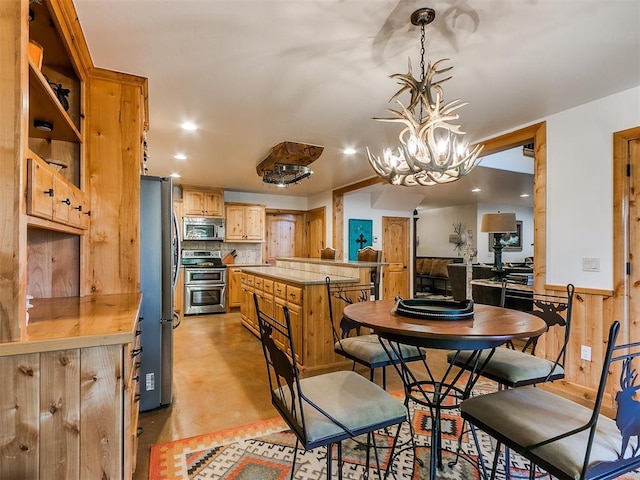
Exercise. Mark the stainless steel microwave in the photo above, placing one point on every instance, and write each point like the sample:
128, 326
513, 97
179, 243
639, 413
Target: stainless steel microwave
202, 228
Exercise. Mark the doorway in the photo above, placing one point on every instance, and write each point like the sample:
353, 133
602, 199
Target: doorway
395, 252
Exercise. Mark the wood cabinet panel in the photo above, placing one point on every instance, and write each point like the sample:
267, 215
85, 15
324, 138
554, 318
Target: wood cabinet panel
203, 202
244, 223
101, 397
60, 415
235, 287
19, 377
39, 189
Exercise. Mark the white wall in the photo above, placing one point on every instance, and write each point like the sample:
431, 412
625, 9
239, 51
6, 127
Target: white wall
525, 214
358, 205
435, 225
580, 187
284, 202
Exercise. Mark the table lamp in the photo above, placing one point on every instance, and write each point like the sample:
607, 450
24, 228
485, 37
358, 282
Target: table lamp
498, 224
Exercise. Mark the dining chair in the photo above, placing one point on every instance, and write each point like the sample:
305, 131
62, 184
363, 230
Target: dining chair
325, 409
328, 253
515, 368
369, 254
564, 438
365, 349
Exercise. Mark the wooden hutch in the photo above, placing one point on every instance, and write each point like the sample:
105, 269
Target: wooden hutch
69, 183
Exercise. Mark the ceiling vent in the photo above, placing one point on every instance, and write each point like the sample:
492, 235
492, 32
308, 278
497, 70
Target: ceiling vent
288, 162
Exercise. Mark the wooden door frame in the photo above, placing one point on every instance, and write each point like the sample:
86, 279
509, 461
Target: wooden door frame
621, 227
536, 133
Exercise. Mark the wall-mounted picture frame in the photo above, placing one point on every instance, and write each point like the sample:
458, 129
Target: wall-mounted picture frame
511, 242
360, 236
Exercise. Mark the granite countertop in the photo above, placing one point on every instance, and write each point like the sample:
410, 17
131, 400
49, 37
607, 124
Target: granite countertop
297, 276
340, 263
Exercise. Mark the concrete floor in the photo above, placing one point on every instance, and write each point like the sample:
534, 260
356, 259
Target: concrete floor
219, 382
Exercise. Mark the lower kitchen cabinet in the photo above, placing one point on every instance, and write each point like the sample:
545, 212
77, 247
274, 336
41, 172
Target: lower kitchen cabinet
70, 405
308, 312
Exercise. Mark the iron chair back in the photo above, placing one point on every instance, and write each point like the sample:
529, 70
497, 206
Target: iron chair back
364, 349
602, 441
548, 307
337, 406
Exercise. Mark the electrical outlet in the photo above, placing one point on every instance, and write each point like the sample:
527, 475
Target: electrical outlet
585, 353
150, 381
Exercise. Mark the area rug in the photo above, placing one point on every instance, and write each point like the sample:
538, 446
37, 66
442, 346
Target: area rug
264, 451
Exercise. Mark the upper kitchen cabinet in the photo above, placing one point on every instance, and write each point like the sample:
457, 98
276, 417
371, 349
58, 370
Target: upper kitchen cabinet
202, 202
245, 222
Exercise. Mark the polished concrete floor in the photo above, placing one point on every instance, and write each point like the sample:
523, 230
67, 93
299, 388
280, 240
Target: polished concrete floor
219, 382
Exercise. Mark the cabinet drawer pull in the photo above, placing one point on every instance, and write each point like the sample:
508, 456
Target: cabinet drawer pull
49, 192
79, 208
88, 213
137, 397
135, 352
136, 378
67, 201
138, 332
139, 431
137, 365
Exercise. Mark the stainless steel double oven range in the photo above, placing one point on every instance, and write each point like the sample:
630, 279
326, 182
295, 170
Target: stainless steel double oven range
205, 282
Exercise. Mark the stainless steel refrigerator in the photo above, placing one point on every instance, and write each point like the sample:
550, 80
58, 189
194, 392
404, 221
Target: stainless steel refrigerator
159, 263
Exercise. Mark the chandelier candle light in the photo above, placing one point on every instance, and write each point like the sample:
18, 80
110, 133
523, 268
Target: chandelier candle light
432, 150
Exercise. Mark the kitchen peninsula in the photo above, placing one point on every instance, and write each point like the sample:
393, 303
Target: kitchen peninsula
299, 283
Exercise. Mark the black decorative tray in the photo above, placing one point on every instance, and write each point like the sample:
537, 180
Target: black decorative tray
435, 309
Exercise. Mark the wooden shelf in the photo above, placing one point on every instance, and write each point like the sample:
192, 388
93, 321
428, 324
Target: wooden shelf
44, 105
35, 222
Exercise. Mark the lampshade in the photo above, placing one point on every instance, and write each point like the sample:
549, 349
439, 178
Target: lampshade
498, 223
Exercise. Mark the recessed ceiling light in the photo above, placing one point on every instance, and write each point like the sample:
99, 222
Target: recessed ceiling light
189, 126
524, 195
349, 151
476, 190
175, 175
180, 156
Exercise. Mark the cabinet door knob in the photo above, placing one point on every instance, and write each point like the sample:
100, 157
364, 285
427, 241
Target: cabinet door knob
67, 201
49, 192
79, 208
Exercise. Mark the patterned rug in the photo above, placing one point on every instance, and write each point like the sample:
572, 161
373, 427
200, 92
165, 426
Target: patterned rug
264, 451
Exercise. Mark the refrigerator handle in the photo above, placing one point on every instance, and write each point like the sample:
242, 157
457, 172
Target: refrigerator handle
179, 246
177, 317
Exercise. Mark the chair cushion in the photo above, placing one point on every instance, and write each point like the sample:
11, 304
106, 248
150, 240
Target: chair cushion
352, 400
512, 367
367, 350
528, 415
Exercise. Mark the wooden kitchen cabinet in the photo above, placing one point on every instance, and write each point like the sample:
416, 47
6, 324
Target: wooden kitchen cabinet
202, 202
75, 393
235, 287
52, 197
245, 222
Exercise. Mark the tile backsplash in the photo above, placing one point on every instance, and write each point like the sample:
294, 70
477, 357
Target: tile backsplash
247, 253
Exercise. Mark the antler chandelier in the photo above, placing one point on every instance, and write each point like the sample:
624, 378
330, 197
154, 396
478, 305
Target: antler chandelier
432, 149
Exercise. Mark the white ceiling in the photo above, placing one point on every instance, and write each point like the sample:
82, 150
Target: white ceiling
253, 73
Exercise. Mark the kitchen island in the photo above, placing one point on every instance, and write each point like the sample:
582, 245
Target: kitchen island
299, 284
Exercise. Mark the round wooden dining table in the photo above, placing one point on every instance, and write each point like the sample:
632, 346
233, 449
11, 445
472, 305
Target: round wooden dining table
489, 328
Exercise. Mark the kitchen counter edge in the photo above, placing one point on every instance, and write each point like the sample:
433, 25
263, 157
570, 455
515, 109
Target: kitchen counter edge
77, 322
297, 276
